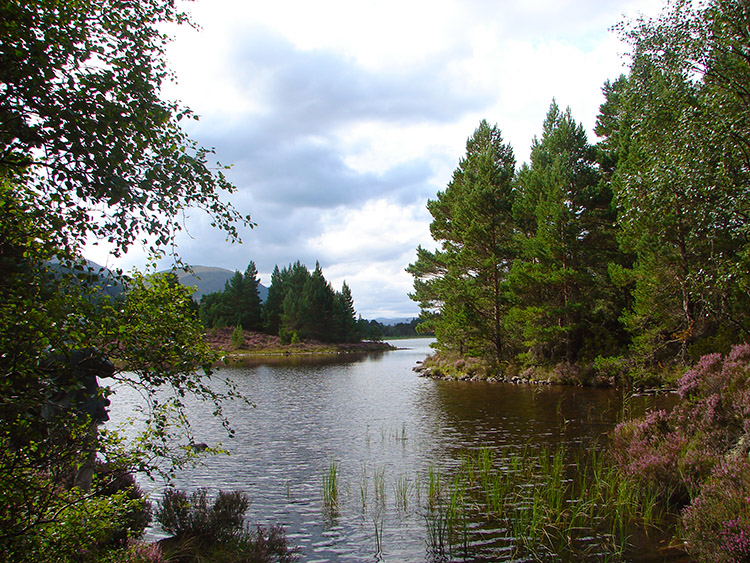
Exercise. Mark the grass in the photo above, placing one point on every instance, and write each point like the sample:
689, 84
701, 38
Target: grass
330, 489
550, 502
542, 503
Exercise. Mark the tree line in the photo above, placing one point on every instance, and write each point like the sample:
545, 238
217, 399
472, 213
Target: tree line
633, 246
300, 305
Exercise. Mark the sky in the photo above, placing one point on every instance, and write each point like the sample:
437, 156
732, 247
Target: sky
341, 118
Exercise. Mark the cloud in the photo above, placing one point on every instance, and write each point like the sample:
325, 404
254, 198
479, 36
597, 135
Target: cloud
341, 118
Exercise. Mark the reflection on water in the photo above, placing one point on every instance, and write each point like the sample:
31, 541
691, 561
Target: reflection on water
387, 430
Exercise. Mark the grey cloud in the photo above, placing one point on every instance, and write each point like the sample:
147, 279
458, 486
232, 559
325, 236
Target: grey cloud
313, 91
307, 173
289, 154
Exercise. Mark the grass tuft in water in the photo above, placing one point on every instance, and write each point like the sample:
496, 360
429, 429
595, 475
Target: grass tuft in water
330, 489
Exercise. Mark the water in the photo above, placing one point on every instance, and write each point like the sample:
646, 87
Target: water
385, 429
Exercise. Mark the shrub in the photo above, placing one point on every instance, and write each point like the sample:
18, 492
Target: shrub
699, 452
238, 337
139, 513
717, 524
217, 532
263, 545
648, 449
184, 516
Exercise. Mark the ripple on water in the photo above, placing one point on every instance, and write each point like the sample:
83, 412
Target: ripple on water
380, 424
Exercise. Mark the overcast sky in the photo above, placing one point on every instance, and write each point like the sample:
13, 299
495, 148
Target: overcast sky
341, 118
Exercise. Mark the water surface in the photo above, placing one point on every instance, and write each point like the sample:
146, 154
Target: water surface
385, 429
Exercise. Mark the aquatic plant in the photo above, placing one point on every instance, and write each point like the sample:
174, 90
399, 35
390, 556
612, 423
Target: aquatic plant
379, 522
402, 489
330, 488
379, 481
363, 487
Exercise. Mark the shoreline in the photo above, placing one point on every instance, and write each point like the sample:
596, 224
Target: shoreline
257, 345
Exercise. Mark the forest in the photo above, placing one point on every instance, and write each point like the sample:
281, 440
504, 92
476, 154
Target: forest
301, 305
631, 251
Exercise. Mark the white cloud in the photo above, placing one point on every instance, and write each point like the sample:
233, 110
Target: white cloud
342, 118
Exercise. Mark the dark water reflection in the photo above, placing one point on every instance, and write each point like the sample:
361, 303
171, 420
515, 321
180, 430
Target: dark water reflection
385, 429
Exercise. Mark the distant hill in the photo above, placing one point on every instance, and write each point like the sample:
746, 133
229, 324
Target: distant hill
99, 276
394, 321
207, 279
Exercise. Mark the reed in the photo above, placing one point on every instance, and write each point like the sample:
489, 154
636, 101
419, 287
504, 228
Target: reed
379, 522
402, 488
330, 489
379, 479
363, 487
550, 500
434, 487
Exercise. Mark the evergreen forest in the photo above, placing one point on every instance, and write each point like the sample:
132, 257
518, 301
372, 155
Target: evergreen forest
301, 305
632, 249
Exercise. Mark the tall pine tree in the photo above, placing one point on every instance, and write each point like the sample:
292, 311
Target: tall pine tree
566, 242
461, 286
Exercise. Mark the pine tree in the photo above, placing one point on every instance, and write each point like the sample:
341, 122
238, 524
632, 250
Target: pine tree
345, 316
461, 286
250, 299
567, 238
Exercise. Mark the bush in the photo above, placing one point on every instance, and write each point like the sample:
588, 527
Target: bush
717, 525
217, 532
184, 516
698, 455
238, 337
139, 513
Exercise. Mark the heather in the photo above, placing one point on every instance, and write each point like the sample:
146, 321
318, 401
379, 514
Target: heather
696, 455
239, 343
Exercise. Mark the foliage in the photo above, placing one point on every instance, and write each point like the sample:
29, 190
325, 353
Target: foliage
461, 286
681, 179
217, 531
239, 304
85, 125
183, 515
697, 454
717, 523
90, 151
635, 247
559, 283
299, 303
238, 337
71, 524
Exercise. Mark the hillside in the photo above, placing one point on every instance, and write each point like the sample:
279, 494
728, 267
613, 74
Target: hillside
209, 279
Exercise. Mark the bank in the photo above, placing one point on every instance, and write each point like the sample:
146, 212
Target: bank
257, 344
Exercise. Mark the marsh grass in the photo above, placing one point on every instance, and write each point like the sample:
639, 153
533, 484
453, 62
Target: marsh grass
379, 482
542, 503
330, 490
402, 489
363, 487
551, 502
379, 522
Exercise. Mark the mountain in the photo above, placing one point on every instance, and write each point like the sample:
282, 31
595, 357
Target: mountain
207, 279
97, 276
394, 321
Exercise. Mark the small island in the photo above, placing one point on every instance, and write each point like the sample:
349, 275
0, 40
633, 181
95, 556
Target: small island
256, 345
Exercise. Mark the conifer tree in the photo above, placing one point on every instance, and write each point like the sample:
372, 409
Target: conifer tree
461, 287
565, 250
346, 328
271, 315
250, 299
